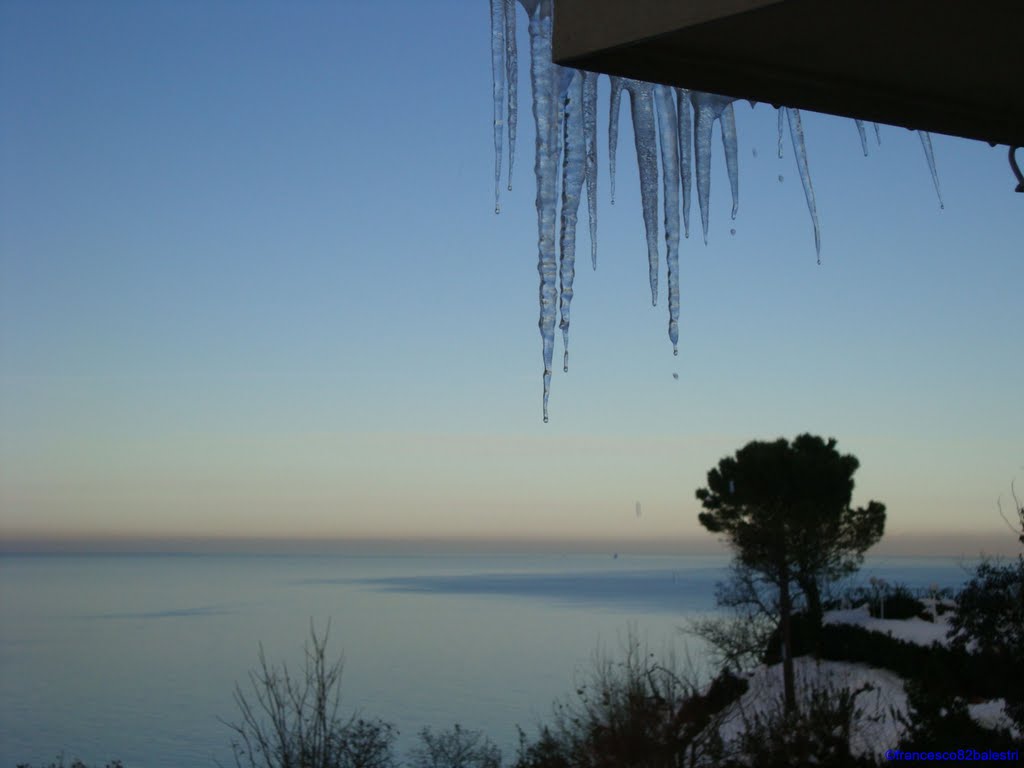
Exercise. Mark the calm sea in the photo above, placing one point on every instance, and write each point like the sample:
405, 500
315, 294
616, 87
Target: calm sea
135, 657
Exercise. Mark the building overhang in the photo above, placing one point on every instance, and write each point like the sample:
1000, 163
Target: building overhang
946, 66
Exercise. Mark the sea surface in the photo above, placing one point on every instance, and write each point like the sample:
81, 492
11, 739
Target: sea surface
135, 657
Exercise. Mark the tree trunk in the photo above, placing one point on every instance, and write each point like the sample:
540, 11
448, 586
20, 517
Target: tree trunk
785, 611
814, 613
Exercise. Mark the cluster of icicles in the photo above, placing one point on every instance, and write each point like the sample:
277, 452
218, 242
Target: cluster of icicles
671, 122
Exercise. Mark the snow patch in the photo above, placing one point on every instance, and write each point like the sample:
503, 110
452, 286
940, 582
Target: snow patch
915, 630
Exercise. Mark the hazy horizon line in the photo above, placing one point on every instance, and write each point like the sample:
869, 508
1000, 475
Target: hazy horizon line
945, 544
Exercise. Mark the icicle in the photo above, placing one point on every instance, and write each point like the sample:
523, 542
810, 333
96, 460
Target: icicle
512, 83
573, 172
730, 143
668, 122
613, 129
641, 107
685, 134
863, 135
498, 89
545, 115
707, 107
926, 142
878, 134
590, 145
782, 118
796, 133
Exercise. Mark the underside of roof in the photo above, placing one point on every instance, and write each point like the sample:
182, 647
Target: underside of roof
946, 66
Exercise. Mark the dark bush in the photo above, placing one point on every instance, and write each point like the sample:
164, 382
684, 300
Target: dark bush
548, 751
989, 621
938, 720
884, 600
632, 713
456, 747
817, 732
896, 602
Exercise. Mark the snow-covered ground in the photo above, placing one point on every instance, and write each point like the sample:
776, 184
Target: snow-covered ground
913, 630
883, 698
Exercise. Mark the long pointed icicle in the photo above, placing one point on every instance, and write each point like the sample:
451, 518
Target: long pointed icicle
641, 106
498, 90
512, 83
613, 129
782, 120
863, 136
708, 107
926, 142
796, 133
667, 125
590, 146
573, 173
730, 143
685, 134
545, 115
878, 134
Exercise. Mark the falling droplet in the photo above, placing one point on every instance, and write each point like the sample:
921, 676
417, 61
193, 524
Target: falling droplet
675, 376
781, 178
732, 231
755, 153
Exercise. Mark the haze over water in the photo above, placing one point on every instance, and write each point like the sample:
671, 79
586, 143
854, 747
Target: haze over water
135, 656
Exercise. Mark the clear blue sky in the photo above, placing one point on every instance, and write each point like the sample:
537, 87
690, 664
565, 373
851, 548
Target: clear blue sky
252, 284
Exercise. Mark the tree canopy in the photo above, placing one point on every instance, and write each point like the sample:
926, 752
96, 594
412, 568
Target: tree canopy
785, 510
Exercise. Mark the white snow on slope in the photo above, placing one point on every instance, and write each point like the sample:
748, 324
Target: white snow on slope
877, 730
913, 630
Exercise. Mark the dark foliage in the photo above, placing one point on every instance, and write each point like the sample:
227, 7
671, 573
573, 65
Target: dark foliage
989, 621
816, 733
785, 510
938, 720
456, 747
292, 721
547, 751
636, 712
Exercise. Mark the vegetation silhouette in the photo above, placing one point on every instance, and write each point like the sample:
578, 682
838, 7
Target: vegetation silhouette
784, 508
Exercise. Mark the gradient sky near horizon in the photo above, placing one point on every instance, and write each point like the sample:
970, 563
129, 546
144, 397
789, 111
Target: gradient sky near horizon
252, 284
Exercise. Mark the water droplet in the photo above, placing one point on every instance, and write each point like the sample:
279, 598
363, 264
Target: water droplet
675, 376
780, 178
755, 153
497, 209
675, 351
545, 419
732, 231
